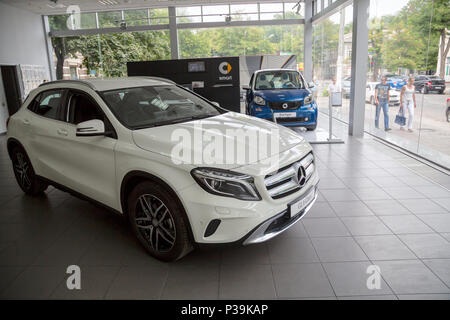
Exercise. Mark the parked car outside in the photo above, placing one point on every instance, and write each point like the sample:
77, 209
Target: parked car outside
283, 96
396, 82
394, 96
427, 84
112, 141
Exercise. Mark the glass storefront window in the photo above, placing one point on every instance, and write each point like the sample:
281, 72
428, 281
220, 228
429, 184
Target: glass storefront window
136, 17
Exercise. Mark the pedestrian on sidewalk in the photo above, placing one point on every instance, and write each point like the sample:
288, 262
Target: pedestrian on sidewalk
408, 102
382, 102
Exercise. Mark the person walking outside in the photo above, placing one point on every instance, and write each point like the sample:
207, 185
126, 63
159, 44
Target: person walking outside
333, 87
408, 102
382, 102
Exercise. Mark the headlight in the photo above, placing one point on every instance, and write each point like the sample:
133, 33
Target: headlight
226, 183
308, 99
259, 101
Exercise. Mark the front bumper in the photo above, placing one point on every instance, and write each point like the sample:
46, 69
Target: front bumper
241, 222
303, 116
277, 225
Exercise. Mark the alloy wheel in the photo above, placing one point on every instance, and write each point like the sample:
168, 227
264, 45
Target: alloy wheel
22, 169
155, 223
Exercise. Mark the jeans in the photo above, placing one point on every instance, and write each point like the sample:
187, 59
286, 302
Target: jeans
385, 106
409, 105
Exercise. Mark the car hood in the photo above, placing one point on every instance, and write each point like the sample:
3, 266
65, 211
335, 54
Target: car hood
176, 141
283, 95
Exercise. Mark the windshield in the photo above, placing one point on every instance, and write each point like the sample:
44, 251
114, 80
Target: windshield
270, 80
145, 107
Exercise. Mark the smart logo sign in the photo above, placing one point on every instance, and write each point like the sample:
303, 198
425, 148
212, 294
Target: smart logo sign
225, 69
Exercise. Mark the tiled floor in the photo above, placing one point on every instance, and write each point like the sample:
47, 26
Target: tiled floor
376, 207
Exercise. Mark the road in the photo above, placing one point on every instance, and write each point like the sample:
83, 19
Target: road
434, 134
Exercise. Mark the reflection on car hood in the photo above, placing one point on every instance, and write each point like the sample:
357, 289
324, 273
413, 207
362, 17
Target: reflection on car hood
283, 95
177, 140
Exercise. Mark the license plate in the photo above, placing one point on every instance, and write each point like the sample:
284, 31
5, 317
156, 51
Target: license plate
298, 206
438, 87
285, 115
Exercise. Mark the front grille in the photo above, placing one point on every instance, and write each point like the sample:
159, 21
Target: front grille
291, 105
289, 120
285, 181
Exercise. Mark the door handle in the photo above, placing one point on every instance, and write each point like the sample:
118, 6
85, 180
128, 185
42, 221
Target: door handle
26, 122
62, 132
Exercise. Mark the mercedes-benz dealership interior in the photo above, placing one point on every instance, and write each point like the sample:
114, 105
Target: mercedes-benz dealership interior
224, 150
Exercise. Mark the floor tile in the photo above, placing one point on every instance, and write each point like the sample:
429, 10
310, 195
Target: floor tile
422, 206
384, 247
192, 282
339, 249
350, 279
339, 195
254, 254
8, 275
443, 202
138, 283
434, 192
424, 297
403, 193
441, 268
320, 210
291, 250
387, 207
411, 277
351, 209
301, 280
372, 194
381, 297
365, 226
251, 282
439, 222
35, 283
95, 282
325, 227
406, 224
427, 245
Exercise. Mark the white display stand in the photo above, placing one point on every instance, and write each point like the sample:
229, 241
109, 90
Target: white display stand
335, 100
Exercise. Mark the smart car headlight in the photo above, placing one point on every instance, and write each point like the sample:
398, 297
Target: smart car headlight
259, 101
226, 183
308, 99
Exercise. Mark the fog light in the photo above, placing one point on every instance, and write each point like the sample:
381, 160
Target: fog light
306, 119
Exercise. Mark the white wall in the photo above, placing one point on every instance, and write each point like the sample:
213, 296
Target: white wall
22, 41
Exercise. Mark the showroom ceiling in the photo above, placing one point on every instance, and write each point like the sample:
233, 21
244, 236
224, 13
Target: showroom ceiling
60, 6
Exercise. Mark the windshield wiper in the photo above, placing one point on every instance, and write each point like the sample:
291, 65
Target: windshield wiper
173, 121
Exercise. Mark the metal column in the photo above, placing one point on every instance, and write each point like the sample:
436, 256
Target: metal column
173, 33
359, 67
308, 42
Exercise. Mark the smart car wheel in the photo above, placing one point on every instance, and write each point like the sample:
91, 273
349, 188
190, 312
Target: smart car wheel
24, 172
157, 221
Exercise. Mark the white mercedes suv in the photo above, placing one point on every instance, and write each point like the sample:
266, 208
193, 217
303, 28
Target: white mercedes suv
126, 144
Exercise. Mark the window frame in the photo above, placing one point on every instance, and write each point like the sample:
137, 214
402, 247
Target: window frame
58, 116
65, 110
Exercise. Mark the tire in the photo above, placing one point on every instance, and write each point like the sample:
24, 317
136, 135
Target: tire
312, 128
424, 90
166, 239
25, 174
441, 92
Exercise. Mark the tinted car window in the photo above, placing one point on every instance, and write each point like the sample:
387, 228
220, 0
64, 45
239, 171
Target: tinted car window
143, 107
270, 80
81, 108
47, 104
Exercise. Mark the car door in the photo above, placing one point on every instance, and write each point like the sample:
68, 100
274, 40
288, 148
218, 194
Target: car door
89, 161
44, 143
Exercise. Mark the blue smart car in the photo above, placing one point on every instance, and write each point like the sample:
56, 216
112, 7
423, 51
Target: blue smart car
283, 96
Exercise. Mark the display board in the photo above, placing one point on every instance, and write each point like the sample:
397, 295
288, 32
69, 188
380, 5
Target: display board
32, 77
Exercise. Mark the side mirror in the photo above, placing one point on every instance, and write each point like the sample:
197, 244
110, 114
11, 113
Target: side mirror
91, 128
311, 84
245, 87
215, 103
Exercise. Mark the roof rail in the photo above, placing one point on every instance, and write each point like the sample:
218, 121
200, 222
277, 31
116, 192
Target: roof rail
154, 78
69, 81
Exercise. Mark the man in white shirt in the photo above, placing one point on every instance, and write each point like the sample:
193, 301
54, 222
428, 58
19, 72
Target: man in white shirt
333, 87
